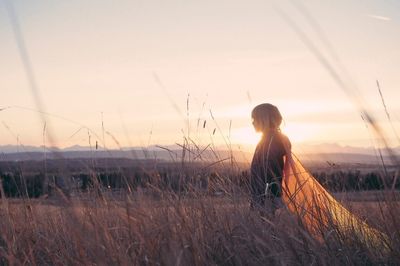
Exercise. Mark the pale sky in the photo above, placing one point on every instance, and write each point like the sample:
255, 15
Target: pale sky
108, 58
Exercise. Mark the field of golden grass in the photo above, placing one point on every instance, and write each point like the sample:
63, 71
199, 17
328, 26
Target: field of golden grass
176, 230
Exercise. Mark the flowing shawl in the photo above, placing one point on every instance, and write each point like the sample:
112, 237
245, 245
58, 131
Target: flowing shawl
319, 212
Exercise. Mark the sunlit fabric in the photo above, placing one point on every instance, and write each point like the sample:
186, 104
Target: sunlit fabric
320, 212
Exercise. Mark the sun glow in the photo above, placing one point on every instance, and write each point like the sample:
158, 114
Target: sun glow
297, 132
246, 136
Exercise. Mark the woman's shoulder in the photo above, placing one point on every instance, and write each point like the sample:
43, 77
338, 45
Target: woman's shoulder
285, 141
274, 139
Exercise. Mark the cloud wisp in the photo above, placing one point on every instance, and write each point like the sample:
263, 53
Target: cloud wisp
378, 17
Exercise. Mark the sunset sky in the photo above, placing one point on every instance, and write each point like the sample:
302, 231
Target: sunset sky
137, 65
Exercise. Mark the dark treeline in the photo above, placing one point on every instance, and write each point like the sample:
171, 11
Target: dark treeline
169, 177
166, 177
355, 180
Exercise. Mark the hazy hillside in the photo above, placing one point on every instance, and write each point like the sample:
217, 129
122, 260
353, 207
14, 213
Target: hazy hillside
330, 153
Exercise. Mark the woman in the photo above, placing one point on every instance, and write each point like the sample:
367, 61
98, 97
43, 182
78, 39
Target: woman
269, 157
304, 196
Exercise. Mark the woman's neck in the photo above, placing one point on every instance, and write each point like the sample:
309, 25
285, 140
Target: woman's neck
268, 132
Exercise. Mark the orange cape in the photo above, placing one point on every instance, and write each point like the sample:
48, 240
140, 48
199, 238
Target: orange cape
319, 212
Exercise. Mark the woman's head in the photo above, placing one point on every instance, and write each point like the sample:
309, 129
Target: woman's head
266, 117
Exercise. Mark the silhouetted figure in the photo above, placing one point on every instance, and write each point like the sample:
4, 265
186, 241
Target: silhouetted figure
268, 160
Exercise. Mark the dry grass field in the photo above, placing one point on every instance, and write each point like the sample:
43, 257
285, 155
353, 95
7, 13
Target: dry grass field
173, 230
135, 61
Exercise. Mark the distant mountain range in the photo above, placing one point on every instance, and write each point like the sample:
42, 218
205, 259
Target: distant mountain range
337, 154
330, 153
336, 148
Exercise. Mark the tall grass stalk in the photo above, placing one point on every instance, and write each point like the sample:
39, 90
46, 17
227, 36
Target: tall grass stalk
169, 229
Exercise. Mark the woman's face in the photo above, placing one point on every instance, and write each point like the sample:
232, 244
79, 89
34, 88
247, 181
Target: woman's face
256, 125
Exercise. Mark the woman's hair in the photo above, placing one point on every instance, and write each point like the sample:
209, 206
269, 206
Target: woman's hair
268, 116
